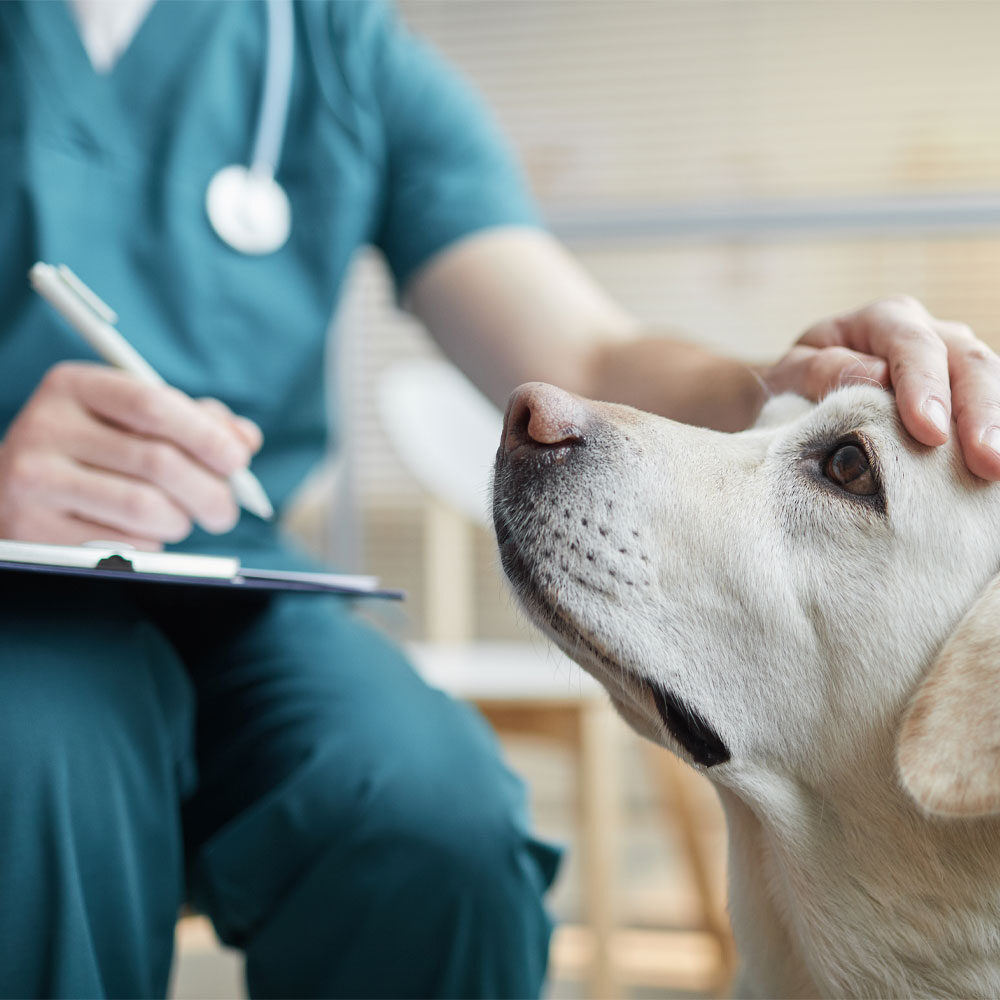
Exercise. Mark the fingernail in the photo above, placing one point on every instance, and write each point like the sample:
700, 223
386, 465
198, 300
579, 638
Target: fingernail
991, 438
934, 411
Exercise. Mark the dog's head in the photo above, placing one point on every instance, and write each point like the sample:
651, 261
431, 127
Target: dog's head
769, 602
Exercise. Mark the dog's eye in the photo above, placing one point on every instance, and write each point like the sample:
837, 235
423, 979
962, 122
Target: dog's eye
849, 468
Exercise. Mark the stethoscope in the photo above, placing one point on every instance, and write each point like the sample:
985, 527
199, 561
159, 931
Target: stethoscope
248, 209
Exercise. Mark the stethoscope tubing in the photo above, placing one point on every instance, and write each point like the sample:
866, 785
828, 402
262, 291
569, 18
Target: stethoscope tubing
272, 117
246, 206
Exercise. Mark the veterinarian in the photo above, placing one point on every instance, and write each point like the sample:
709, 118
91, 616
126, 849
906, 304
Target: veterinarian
278, 763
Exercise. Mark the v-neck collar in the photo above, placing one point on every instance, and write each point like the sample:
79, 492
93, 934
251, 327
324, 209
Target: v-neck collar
108, 27
111, 103
55, 29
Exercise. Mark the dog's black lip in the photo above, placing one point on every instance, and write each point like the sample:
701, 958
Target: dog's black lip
689, 728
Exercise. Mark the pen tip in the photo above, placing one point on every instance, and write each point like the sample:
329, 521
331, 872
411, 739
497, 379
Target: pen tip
250, 495
260, 507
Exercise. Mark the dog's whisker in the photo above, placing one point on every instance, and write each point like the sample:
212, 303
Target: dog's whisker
851, 379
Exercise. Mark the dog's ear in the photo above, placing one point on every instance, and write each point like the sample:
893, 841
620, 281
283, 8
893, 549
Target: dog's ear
949, 743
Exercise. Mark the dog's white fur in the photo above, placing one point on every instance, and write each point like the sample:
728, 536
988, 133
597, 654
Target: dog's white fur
821, 639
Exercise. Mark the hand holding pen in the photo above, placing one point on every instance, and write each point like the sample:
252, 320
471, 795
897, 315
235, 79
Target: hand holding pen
99, 453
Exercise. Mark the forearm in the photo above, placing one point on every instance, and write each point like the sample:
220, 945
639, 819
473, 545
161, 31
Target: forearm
512, 306
675, 379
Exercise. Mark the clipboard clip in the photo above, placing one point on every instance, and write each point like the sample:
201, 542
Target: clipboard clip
115, 562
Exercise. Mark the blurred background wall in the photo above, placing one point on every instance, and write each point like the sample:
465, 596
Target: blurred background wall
731, 171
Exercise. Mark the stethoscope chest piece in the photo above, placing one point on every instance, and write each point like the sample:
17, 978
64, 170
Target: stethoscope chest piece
246, 206
249, 210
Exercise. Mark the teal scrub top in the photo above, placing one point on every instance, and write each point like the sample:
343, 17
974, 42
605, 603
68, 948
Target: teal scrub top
107, 173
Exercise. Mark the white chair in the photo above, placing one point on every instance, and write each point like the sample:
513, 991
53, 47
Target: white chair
445, 434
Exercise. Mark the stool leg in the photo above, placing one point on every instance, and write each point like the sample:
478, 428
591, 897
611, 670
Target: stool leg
597, 775
449, 574
669, 773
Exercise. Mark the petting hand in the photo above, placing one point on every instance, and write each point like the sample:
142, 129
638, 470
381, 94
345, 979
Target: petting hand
96, 454
937, 369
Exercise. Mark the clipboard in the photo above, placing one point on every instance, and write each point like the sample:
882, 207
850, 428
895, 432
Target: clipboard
112, 561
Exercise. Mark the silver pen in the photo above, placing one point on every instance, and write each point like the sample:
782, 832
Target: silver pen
94, 320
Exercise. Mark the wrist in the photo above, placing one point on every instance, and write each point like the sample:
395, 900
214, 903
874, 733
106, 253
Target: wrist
734, 393
677, 379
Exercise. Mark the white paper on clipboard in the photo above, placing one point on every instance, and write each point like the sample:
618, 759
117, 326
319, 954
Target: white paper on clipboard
101, 558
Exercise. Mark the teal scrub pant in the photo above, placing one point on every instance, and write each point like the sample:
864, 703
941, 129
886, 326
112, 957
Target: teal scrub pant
272, 761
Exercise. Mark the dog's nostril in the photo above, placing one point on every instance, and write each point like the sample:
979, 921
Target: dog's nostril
544, 416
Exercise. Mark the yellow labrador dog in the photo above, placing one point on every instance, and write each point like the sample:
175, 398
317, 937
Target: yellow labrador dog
808, 612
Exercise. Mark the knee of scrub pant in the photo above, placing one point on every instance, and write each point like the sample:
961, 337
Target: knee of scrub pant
94, 753
411, 913
394, 860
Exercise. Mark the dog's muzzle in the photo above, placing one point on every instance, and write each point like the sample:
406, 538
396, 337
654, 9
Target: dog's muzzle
548, 436
543, 428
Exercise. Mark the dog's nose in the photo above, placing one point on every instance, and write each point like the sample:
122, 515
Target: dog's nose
541, 416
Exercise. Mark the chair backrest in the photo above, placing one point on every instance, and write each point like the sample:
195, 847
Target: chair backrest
444, 431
